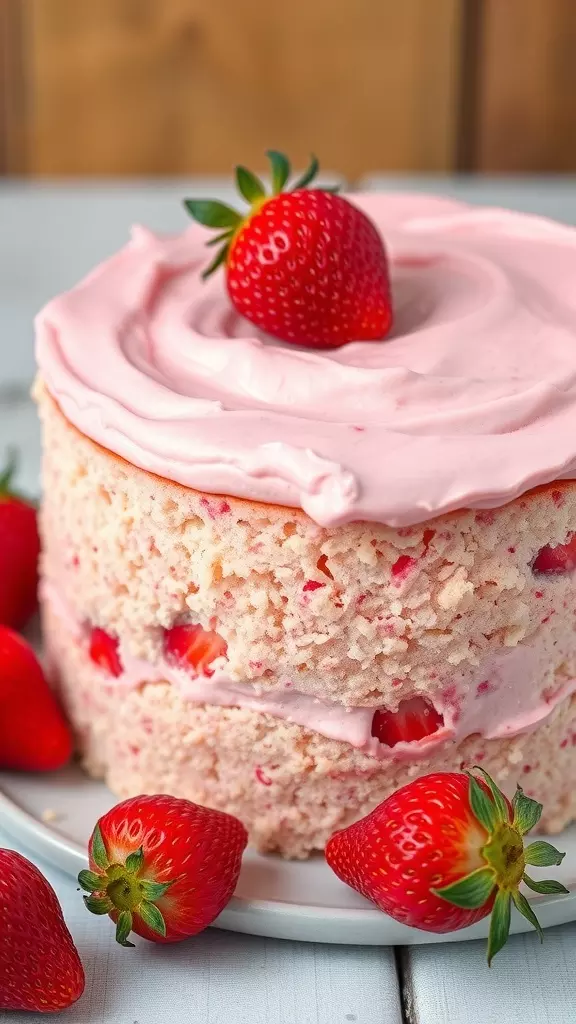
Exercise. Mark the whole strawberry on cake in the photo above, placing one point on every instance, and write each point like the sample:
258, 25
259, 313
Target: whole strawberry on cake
309, 516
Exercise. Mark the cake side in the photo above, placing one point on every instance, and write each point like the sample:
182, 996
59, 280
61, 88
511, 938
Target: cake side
324, 627
290, 786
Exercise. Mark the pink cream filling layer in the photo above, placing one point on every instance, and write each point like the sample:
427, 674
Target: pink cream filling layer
470, 402
503, 700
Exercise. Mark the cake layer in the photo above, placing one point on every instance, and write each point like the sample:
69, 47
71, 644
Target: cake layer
501, 705
362, 616
470, 401
290, 786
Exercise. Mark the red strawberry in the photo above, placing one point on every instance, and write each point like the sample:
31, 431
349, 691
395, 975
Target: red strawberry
19, 550
33, 731
40, 969
194, 646
445, 851
162, 867
306, 266
414, 719
553, 561
103, 650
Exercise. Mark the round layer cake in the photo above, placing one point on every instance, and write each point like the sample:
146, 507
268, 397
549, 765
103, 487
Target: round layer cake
284, 582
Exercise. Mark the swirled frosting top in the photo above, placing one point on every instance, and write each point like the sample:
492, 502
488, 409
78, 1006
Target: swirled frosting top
469, 402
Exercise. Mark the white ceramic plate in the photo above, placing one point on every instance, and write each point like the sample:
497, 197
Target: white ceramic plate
282, 899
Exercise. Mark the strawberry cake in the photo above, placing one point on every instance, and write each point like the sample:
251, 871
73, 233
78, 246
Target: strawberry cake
283, 581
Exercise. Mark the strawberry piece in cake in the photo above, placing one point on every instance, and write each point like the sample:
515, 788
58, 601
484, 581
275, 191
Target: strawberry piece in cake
195, 647
415, 719
556, 560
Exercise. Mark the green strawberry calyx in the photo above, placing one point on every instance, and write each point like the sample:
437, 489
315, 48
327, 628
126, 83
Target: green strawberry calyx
124, 890
7, 475
505, 859
214, 214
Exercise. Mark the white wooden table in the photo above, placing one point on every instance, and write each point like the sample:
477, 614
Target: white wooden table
48, 237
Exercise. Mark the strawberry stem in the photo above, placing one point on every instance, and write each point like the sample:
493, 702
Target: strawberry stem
119, 888
134, 861
527, 812
214, 214
547, 886
543, 855
98, 904
219, 258
308, 175
499, 924
249, 185
482, 806
8, 473
99, 852
470, 892
152, 917
505, 859
280, 170
524, 908
497, 795
123, 928
89, 881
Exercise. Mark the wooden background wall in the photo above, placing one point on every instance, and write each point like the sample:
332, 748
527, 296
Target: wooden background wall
148, 87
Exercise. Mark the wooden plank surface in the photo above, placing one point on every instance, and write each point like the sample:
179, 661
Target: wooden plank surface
221, 978
527, 983
526, 100
179, 86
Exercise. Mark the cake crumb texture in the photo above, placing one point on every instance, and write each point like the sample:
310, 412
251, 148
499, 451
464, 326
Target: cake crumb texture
361, 615
292, 788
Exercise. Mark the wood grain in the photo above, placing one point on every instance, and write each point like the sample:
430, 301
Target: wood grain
220, 977
177, 86
527, 984
527, 91
12, 106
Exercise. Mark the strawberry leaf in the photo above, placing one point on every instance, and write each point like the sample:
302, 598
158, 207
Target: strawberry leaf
542, 855
499, 801
280, 170
98, 904
522, 905
212, 213
548, 887
134, 861
499, 924
224, 237
308, 175
154, 890
482, 806
152, 917
249, 185
219, 258
90, 881
527, 812
99, 852
9, 471
123, 928
470, 892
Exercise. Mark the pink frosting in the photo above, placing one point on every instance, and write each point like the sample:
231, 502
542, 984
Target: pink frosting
503, 700
470, 402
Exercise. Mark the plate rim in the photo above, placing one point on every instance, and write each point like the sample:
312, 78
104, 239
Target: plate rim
271, 918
